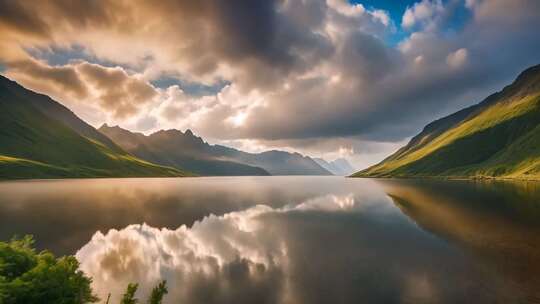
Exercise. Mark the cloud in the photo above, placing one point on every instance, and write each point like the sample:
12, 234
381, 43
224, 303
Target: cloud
49, 78
293, 70
422, 13
457, 59
117, 91
113, 90
504, 13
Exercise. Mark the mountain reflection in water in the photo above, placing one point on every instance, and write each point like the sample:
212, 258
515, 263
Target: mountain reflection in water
496, 222
291, 239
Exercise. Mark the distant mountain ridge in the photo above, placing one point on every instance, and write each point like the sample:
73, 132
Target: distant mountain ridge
40, 138
497, 138
339, 166
185, 150
176, 149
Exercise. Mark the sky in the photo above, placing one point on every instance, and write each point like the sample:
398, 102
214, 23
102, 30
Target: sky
327, 78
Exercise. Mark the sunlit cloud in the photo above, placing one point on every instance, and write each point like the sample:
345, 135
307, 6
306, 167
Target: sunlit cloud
268, 70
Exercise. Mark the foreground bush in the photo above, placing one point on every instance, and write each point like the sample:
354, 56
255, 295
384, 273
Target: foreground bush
30, 277
155, 297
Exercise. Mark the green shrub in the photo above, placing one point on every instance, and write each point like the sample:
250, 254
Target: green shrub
30, 277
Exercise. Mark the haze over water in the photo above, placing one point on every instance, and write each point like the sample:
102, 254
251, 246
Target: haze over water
290, 239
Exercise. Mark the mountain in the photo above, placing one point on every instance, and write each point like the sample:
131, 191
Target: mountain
40, 138
497, 138
176, 149
339, 166
185, 150
274, 161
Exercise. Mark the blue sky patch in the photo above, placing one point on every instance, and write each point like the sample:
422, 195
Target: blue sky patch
190, 88
57, 56
396, 8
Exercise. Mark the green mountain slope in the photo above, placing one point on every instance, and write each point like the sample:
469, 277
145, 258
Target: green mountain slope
497, 138
40, 138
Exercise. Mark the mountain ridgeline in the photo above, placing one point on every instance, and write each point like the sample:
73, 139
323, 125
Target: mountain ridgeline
497, 138
185, 150
339, 166
40, 138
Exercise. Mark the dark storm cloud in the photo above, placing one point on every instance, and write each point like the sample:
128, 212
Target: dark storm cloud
237, 31
294, 69
198, 39
16, 17
391, 94
248, 27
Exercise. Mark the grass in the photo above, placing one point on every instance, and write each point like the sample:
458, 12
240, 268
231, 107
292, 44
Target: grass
33, 145
501, 141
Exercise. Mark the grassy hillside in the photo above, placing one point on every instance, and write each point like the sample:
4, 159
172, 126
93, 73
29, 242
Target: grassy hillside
498, 138
35, 145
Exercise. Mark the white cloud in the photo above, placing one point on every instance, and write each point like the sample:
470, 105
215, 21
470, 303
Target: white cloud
422, 13
457, 59
309, 70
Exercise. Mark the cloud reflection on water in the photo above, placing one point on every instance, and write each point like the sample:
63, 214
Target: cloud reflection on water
232, 258
326, 249
290, 239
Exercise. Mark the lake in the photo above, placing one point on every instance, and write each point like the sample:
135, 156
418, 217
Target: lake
290, 239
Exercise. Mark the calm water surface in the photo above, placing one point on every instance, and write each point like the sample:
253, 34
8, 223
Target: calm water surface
290, 239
